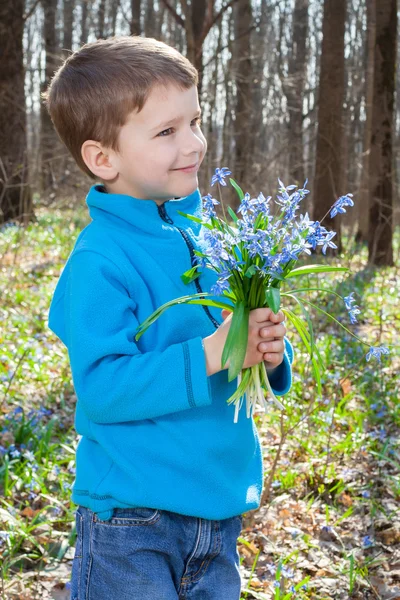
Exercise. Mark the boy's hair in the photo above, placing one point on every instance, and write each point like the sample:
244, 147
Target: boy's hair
93, 92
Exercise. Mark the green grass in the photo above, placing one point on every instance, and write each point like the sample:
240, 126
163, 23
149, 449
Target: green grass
353, 426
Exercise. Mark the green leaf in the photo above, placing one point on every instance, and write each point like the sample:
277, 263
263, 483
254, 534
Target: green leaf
314, 269
190, 299
190, 275
195, 219
310, 327
237, 188
236, 342
233, 215
250, 271
273, 298
306, 341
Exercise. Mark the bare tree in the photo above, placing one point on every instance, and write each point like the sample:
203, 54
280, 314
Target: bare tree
48, 138
363, 200
85, 7
199, 17
380, 249
68, 25
242, 77
15, 195
328, 168
293, 84
135, 21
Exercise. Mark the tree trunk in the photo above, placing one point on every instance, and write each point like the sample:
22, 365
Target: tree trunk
149, 17
48, 138
101, 19
328, 168
135, 22
85, 4
363, 201
380, 249
294, 90
242, 76
15, 195
68, 26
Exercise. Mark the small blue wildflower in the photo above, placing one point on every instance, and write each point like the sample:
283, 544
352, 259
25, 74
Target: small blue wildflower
271, 568
219, 176
353, 310
68, 585
365, 494
377, 352
208, 206
338, 207
277, 584
328, 243
287, 573
367, 541
276, 484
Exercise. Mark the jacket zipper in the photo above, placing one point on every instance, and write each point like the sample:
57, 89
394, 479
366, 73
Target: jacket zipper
165, 217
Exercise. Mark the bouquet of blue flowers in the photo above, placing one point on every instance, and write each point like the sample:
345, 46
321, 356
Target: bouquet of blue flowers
255, 256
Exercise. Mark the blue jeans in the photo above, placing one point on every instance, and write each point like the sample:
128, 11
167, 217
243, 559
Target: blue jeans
150, 554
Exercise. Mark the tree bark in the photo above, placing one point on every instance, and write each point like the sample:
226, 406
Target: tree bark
380, 248
293, 87
135, 22
68, 26
363, 202
85, 4
101, 19
242, 77
15, 195
48, 138
328, 168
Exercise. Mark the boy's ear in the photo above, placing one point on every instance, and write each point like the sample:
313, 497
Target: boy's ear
97, 159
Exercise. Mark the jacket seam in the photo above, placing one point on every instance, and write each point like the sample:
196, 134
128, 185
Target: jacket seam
188, 379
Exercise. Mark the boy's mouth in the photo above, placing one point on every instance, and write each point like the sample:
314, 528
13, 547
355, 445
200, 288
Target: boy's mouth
188, 167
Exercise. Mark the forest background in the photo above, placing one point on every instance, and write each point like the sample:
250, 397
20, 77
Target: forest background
296, 89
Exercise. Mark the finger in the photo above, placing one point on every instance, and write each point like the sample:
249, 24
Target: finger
272, 346
278, 317
273, 359
273, 331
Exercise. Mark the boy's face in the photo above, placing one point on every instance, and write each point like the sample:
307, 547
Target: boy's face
153, 148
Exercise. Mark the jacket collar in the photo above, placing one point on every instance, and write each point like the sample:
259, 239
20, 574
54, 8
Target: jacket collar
144, 215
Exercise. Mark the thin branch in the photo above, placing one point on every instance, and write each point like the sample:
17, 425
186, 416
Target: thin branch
31, 11
171, 9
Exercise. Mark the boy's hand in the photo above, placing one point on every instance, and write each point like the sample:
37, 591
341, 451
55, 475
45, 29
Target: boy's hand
265, 340
273, 345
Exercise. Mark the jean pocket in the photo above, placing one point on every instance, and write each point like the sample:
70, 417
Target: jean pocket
130, 517
76, 572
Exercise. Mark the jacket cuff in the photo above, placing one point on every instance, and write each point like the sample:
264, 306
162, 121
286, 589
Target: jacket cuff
281, 379
197, 381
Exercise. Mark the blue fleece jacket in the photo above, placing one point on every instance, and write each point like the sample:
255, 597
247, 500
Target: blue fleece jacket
156, 431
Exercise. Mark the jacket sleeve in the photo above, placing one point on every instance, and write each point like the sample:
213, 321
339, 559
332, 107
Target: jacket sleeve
281, 378
113, 380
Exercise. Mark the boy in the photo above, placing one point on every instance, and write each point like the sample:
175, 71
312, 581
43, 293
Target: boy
162, 471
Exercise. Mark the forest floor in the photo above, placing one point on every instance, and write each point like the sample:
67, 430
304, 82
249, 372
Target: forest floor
330, 524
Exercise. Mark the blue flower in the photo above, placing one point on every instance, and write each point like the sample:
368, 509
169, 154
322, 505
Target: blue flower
377, 352
339, 205
327, 242
219, 176
208, 206
367, 541
365, 494
353, 310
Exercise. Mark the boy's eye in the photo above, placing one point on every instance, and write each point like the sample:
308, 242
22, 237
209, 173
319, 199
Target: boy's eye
196, 121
